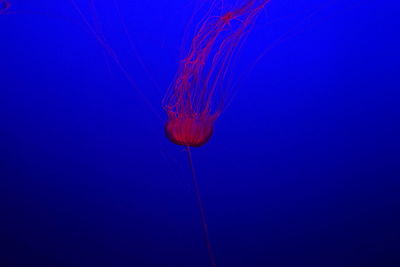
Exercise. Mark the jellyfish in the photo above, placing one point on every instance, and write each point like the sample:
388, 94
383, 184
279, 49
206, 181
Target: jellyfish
197, 95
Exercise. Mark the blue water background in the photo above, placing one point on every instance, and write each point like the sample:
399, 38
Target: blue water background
302, 170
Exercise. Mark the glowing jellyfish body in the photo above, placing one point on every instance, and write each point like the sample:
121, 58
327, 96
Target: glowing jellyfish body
197, 96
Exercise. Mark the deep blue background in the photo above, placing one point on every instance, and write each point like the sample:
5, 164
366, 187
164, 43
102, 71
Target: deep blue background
303, 168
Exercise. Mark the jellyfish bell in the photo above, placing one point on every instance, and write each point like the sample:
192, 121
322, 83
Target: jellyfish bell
192, 130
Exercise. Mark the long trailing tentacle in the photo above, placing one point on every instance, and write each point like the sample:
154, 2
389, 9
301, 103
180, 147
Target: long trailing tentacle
111, 52
201, 209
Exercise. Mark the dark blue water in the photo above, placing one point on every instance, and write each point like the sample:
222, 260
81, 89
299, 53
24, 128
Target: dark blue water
302, 170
